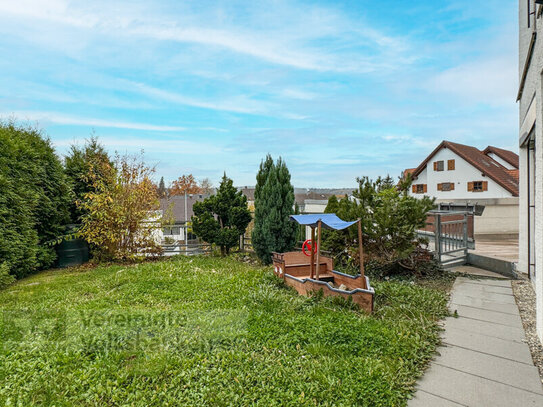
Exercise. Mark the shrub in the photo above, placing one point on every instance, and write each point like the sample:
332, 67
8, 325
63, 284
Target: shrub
34, 198
119, 220
79, 163
390, 219
5, 278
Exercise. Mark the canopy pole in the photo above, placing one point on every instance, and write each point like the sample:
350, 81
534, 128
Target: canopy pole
318, 247
361, 254
312, 266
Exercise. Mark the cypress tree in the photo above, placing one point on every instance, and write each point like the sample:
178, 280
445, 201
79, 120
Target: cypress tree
259, 237
161, 188
274, 201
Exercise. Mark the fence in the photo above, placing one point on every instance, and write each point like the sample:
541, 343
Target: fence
189, 248
451, 234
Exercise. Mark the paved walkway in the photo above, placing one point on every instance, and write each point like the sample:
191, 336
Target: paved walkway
484, 360
476, 271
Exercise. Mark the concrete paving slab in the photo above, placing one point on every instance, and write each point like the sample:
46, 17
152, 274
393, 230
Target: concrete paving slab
496, 368
424, 399
486, 282
486, 328
474, 302
469, 287
486, 344
485, 360
476, 271
486, 315
471, 390
485, 296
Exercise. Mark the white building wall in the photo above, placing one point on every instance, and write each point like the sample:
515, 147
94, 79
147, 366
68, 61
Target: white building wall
463, 173
530, 111
498, 219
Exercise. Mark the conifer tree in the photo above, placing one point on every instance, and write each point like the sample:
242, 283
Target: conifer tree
260, 239
161, 188
222, 218
274, 202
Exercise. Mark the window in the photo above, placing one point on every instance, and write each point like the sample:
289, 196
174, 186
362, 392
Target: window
419, 188
478, 186
450, 165
172, 231
438, 166
445, 186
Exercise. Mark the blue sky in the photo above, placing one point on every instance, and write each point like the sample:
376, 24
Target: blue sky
339, 89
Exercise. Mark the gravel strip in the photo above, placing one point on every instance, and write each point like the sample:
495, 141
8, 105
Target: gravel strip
525, 296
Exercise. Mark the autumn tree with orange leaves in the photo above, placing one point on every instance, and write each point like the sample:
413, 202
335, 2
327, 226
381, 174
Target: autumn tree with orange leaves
185, 184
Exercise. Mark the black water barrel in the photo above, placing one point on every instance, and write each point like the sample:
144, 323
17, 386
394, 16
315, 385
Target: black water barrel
72, 252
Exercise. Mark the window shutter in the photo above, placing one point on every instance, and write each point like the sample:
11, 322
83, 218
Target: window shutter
450, 165
414, 189
435, 165
425, 188
439, 187
470, 186
452, 186
485, 185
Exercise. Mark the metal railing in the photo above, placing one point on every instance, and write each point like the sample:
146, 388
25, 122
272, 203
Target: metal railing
450, 232
189, 248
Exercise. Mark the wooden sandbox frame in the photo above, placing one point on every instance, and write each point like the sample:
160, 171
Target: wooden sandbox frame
311, 274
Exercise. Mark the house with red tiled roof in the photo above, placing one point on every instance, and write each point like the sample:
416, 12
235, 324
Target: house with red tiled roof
461, 176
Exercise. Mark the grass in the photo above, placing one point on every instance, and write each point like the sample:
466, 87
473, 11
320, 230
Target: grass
207, 331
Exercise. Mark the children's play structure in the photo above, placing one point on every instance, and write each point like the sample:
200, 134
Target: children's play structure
307, 271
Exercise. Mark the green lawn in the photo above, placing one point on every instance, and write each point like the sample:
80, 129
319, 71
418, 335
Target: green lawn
207, 331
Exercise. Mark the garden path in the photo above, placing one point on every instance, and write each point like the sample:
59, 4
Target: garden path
484, 359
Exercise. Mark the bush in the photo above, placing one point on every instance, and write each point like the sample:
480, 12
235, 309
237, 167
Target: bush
118, 218
79, 163
34, 198
5, 278
390, 219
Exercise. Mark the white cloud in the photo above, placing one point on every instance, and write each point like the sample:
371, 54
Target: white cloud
289, 43
179, 146
236, 105
491, 80
60, 118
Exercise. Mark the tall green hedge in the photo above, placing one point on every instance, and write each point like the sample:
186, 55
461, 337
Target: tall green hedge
34, 199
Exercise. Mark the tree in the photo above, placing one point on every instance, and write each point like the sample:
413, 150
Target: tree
389, 218
120, 210
274, 202
185, 184
80, 161
222, 218
161, 190
206, 186
332, 206
34, 198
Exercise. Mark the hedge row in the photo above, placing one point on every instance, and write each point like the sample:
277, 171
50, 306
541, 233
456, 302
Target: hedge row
34, 199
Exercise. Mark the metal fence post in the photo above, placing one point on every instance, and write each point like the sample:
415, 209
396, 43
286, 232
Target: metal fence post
437, 235
466, 237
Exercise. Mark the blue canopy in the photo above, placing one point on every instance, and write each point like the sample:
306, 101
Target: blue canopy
329, 220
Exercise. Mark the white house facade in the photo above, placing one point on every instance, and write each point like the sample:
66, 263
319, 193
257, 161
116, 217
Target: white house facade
463, 176
530, 98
